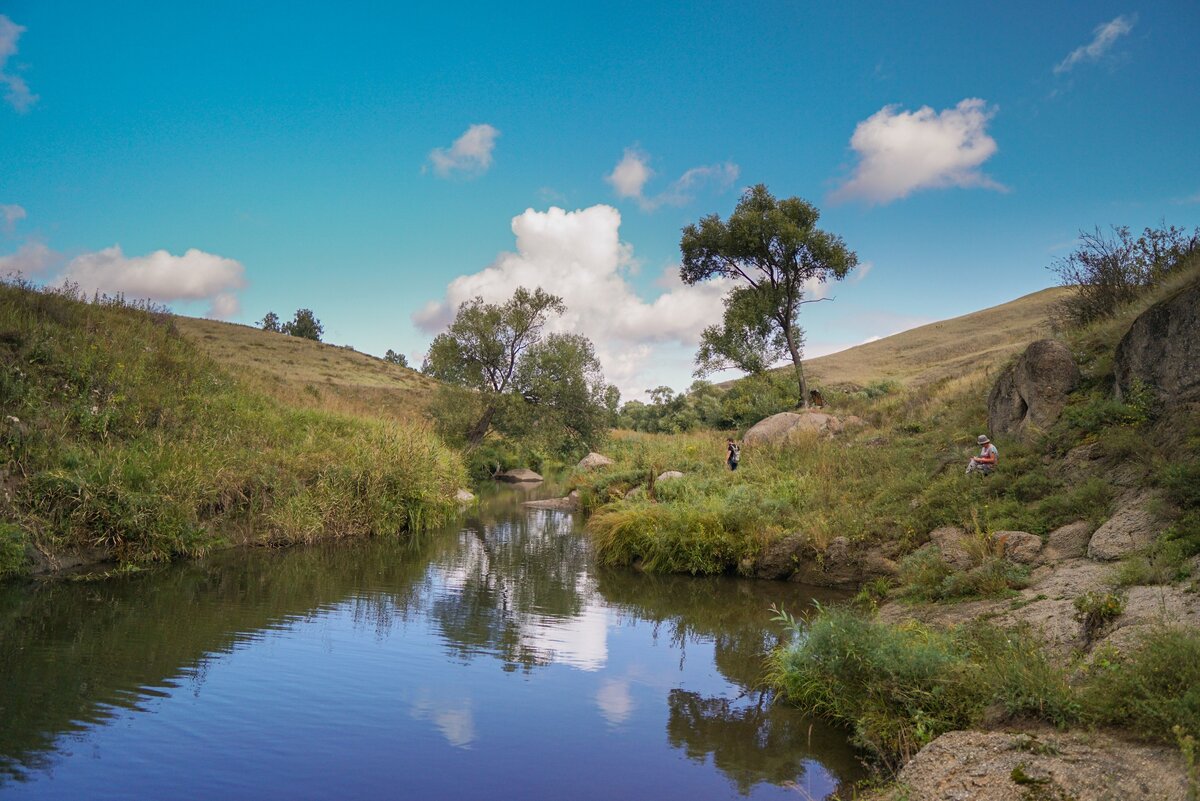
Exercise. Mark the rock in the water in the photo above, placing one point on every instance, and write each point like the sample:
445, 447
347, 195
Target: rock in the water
1162, 348
1068, 542
567, 504
779, 428
1019, 546
670, 474
521, 474
593, 461
1032, 391
464, 496
1132, 528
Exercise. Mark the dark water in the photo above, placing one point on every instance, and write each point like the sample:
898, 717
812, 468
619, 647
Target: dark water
487, 660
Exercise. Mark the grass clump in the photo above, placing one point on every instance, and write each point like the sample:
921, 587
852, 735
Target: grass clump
1095, 610
12, 550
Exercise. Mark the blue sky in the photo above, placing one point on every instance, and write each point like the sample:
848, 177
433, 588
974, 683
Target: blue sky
234, 158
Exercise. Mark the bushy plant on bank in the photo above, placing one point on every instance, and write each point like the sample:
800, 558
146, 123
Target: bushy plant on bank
119, 435
899, 687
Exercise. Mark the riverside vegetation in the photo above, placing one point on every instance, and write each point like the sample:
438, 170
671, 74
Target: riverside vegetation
885, 485
122, 439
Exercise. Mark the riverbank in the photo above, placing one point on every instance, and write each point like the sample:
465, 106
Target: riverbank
121, 441
1077, 561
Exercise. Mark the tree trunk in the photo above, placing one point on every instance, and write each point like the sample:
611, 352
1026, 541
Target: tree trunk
480, 429
795, 351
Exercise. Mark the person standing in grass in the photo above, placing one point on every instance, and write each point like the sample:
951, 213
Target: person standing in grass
734, 454
985, 462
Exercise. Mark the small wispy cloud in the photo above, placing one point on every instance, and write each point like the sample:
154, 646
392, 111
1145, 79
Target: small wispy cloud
629, 178
471, 153
1104, 37
10, 213
901, 152
17, 91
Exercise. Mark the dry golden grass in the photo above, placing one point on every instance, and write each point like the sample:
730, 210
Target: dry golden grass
951, 348
308, 374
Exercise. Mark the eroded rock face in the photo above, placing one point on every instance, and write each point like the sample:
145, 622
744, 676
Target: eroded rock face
983, 766
593, 461
1032, 391
1019, 546
1068, 542
779, 428
1130, 529
1162, 349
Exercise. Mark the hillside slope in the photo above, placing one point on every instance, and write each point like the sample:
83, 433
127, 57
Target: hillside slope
940, 350
311, 374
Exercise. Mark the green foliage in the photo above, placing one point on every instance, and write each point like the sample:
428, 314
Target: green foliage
925, 576
1093, 413
270, 322
13, 560
392, 357
135, 442
1095, 610
1108, 271
747, 339
1151, 689
304, 324
775, 247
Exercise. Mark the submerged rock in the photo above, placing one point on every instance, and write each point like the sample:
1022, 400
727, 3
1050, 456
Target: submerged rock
521, 474
567, 504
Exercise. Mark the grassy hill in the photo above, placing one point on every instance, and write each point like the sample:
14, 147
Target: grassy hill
977, 341
301, 372
312, 374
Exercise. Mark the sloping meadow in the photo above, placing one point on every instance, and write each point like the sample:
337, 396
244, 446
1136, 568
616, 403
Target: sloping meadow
119, 435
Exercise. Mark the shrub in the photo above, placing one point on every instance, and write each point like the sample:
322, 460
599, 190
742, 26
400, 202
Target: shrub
1096, 610
12, 550
1151, 689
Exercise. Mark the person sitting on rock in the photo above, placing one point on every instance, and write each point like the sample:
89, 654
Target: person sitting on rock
985, 462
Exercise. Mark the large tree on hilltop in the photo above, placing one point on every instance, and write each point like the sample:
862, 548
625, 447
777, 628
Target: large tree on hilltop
775, 247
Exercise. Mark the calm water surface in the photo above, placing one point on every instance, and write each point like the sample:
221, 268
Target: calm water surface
486, 660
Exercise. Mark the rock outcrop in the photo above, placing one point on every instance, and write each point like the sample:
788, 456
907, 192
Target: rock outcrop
517, 476
1032, 391
842, 564
1068, 542
464, 496
1130, 529
1162, 348
669, 475
780, 428
567, 504
593, 461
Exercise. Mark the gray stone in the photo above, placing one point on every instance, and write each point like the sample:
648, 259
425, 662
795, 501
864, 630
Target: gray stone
779, 429
1031, 392
1162, 348
1129, 530
669, 475
950, 541
519, 475
1019, 546
1068, 542
593, 461
464, 496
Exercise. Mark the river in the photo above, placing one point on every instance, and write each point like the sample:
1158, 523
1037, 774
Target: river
489, 659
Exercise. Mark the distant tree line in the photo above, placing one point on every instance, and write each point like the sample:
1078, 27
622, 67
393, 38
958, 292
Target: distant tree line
304, 324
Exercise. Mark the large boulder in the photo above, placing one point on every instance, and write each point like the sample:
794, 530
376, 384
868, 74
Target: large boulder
1032, 391
593, 461
1162, 348
1130, 529
669, 475
520, 475
1068, 542
780, 428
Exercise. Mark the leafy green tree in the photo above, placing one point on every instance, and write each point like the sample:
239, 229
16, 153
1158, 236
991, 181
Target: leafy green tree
270, 322
562, 385
392, 357
775, 248
482, 349
304, 325
747, 338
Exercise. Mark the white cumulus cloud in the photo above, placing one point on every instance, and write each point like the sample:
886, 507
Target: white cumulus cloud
32, 258
471, 153
901, 152
1104, 37
162, 277
579, 256
17, 91
629, 178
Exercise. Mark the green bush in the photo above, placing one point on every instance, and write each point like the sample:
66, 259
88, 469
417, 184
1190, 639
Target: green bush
1096, 610
925, 576
1150, 689
13, 561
